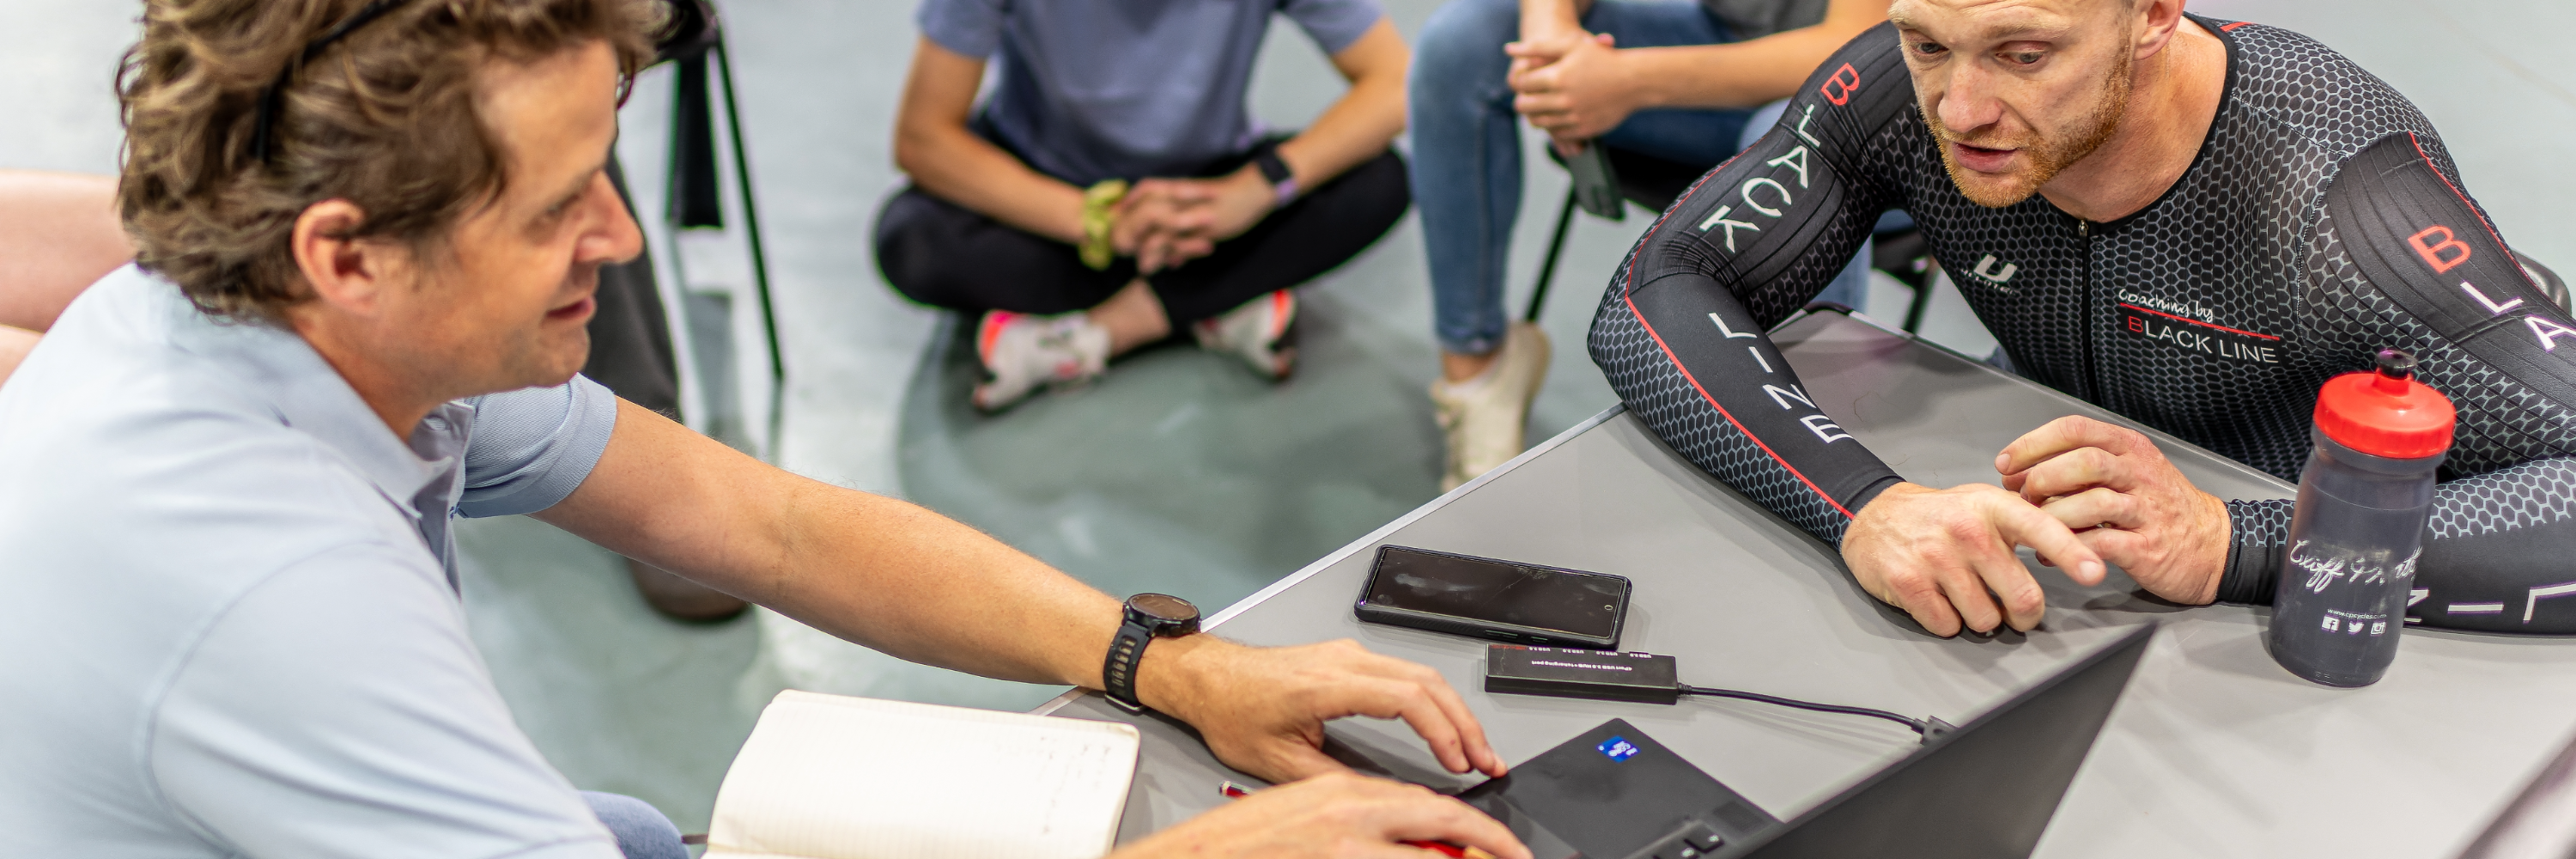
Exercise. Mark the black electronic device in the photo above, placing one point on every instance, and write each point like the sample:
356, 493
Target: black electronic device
1616, 793
1614, 675
1983, 790
1603, 675
1494, 599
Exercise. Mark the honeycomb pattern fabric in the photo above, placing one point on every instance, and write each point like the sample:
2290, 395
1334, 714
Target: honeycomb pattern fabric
2321, 221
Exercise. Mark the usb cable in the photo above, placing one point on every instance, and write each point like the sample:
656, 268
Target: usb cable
1928, 727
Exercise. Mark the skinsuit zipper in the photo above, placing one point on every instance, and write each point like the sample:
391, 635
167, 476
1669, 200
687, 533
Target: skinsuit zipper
2092, 372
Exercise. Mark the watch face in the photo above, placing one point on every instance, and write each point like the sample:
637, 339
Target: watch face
1164, 608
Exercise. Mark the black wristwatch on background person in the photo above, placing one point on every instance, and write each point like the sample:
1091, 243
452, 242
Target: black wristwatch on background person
1149, 616
1283, 181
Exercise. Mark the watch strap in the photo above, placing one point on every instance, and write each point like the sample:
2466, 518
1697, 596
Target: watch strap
1118, 674
1273, 170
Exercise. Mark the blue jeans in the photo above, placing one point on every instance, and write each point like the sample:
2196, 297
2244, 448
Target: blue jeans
1466, 144
642, 832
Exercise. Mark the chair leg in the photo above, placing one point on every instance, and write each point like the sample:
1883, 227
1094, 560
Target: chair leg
1547, 267
1922, 302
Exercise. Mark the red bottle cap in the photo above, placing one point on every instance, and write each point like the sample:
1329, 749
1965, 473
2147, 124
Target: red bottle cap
2386, 413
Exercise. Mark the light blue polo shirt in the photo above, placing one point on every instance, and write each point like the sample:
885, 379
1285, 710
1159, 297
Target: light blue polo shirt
228, 616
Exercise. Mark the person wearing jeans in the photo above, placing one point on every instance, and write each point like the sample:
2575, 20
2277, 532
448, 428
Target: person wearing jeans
1672, 79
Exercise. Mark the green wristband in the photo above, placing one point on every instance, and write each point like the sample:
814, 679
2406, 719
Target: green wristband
1097, 200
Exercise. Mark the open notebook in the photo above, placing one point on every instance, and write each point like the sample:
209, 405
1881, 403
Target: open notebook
832, 777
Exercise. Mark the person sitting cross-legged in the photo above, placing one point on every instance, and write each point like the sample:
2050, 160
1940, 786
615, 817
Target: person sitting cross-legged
1115, 190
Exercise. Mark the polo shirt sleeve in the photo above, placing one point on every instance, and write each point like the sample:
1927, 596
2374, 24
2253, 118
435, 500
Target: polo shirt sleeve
528, 449
1333, 24
338, 709
972, 28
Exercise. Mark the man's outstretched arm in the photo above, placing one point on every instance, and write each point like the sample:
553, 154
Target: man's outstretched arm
898, 578
1680, 332
1680, 337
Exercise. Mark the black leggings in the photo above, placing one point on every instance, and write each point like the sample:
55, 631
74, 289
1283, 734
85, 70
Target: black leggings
945, 255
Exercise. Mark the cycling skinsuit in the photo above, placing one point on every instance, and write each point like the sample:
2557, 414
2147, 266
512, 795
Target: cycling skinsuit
2321, 221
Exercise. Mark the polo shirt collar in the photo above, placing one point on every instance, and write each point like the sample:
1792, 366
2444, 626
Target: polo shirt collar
277, 366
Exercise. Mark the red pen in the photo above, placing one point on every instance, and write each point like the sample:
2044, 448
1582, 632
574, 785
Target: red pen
1453, 851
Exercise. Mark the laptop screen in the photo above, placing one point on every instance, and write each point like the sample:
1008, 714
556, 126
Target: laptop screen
1985, 790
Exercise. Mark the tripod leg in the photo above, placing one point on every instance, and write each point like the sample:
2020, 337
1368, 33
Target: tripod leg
759, 255
1547, 267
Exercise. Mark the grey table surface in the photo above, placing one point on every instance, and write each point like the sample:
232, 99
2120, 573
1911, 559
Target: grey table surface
2213, 750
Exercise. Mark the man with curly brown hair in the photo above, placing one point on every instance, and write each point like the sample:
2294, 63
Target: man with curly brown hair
369, 238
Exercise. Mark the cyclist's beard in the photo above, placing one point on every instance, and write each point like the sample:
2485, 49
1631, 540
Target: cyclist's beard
2046, 153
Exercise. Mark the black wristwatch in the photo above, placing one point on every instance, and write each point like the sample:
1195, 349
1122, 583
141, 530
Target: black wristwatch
1283, 181
1149, 616
1266, 157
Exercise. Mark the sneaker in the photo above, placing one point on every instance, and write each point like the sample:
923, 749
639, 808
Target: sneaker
1484, 418
1255, 333
1023, 353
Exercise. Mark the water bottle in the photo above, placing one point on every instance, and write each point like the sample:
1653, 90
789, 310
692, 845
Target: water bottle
2359, 524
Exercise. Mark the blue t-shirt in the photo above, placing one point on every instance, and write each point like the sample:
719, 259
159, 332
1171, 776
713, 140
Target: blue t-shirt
1124, 89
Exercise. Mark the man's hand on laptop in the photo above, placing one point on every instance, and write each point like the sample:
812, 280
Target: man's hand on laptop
1946, 555
1262, 709
1333, 816
2125, 501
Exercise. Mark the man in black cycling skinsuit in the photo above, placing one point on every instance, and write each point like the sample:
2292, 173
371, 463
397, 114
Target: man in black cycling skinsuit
2191, 222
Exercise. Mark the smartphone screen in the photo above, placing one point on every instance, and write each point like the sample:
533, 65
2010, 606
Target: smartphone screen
1584, 604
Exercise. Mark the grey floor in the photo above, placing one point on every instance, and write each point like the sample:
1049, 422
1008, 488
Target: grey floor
1178, 472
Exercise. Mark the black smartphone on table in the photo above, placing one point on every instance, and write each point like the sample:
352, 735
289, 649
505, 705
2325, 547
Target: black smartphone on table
1494, 599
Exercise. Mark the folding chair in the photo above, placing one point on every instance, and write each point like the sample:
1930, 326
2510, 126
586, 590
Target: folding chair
2551, 287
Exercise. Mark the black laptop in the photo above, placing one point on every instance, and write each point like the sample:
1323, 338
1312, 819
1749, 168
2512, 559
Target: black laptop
1984, 790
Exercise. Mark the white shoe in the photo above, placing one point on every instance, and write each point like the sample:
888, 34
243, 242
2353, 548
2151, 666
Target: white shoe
1253, 333
1485, 418
1023, 352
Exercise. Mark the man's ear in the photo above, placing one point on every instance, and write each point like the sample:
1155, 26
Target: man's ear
2157, 20
342, 270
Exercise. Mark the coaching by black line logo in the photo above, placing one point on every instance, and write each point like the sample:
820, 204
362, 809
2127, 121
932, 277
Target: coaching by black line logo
2192, 335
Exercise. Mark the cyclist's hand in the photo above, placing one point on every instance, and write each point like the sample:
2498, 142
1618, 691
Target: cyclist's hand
1945, 555
1338, 816
2126, 501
